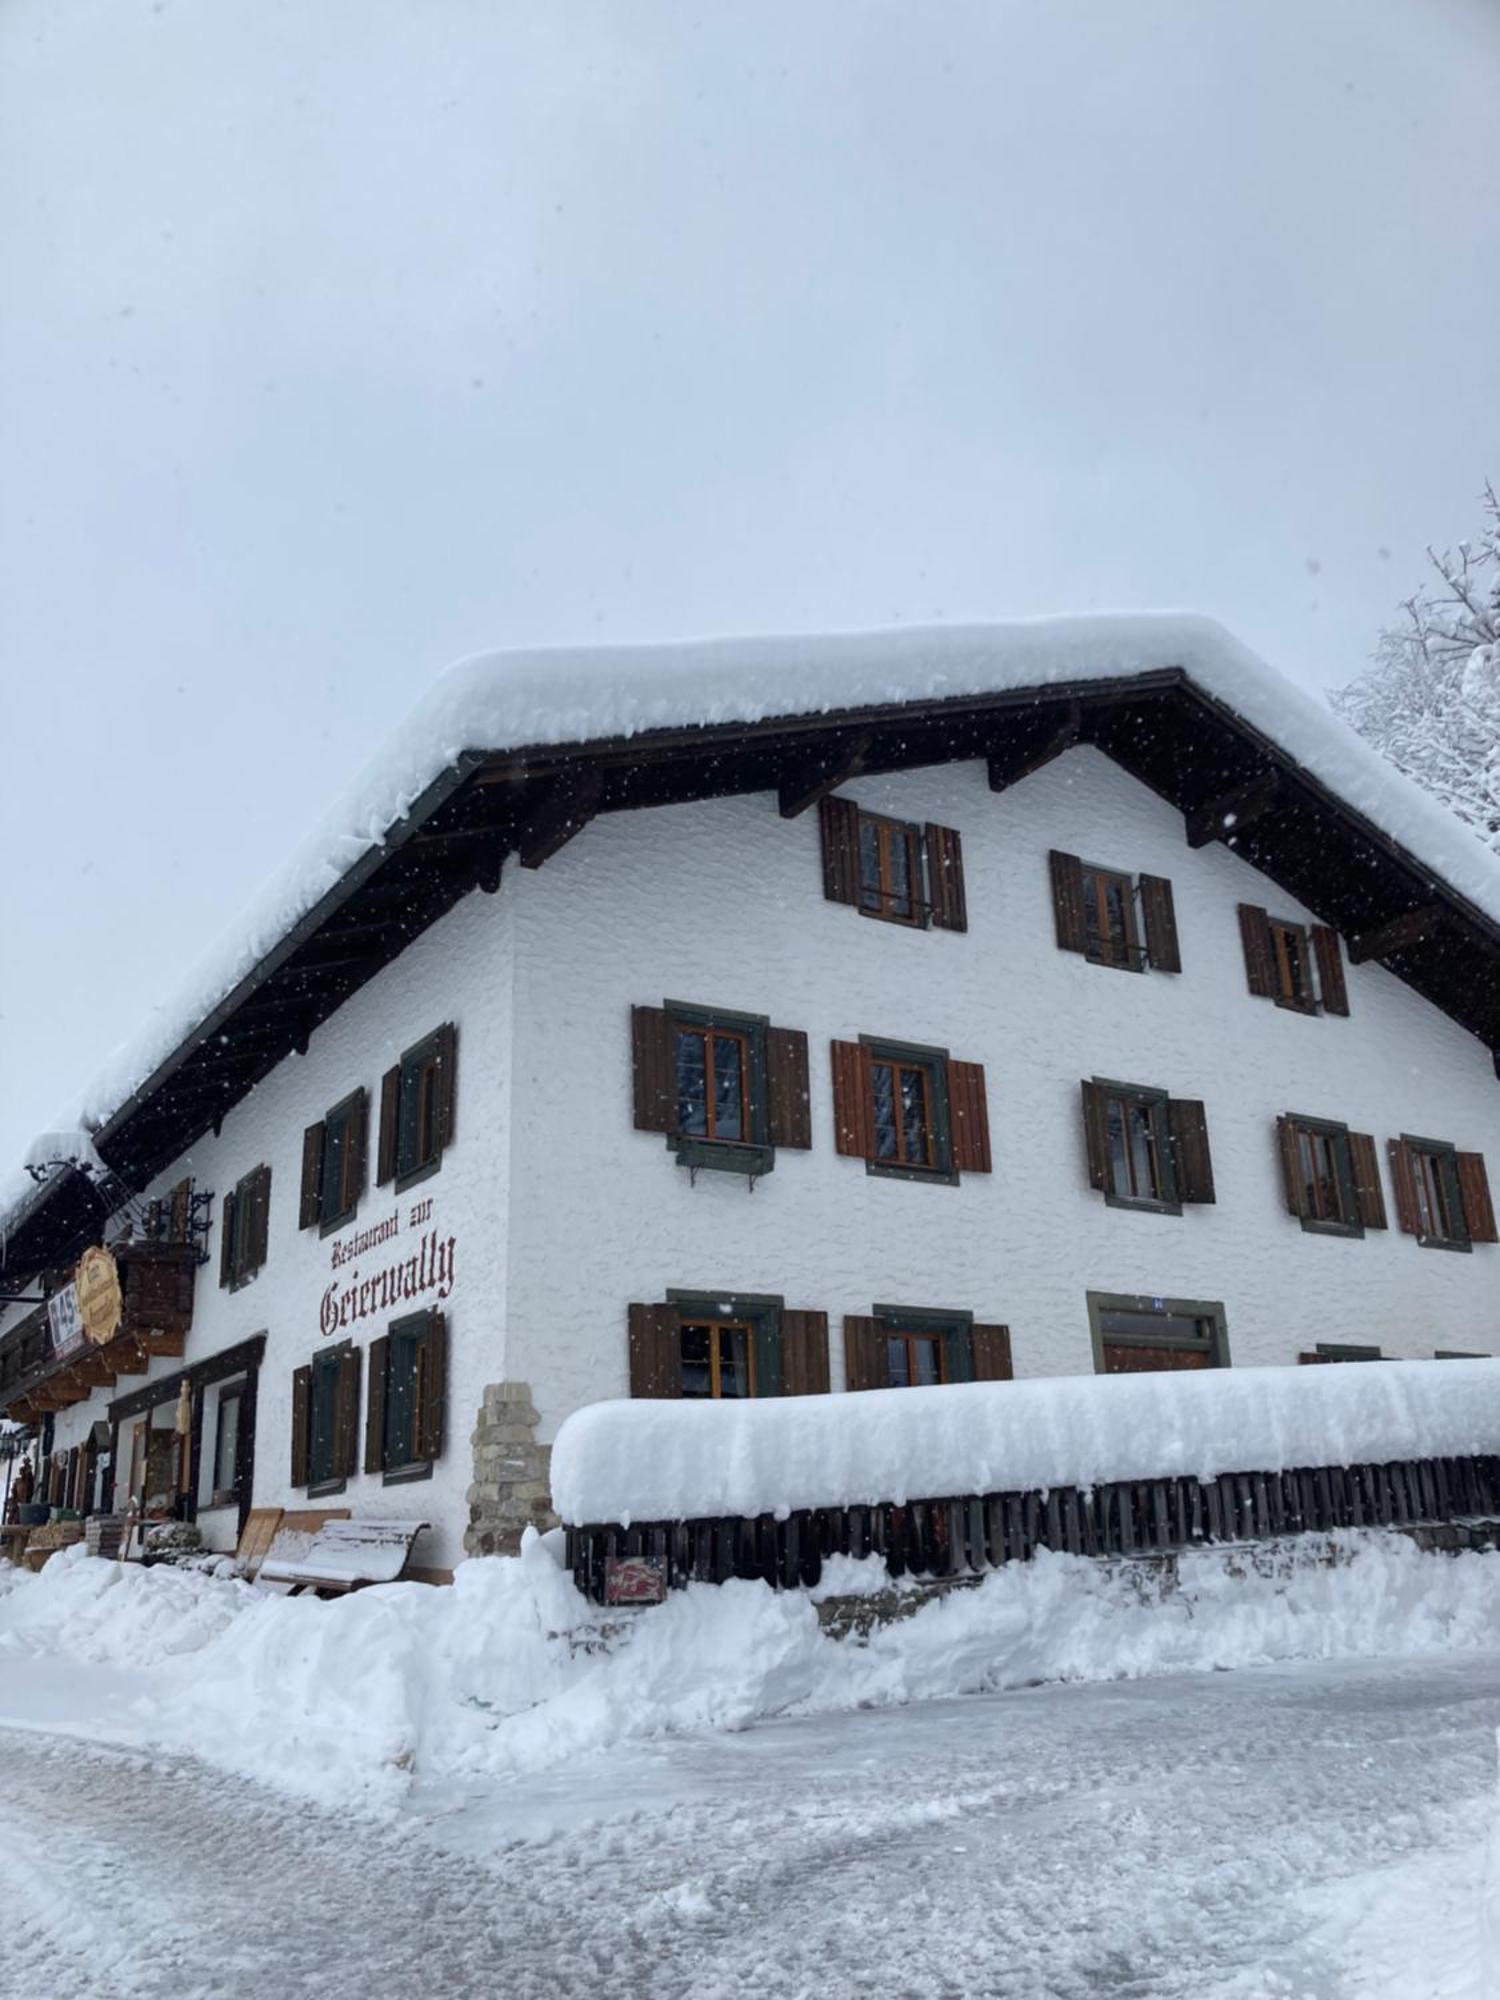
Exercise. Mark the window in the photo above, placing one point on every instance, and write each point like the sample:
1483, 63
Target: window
1104, 912
1442, 1195
727, 1089
1146, 1149
408, 1392
1297, 965
734, 1345
226, 1478
718, 1357
1330, 1350
909, 1110
333, 1164
1332, 1181
325, 1414
1134, 1335
914, 1360
416, 1110
243, 1229
892, 868
911, 1347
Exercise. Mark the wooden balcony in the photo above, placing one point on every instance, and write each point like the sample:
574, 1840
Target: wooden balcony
156, 1286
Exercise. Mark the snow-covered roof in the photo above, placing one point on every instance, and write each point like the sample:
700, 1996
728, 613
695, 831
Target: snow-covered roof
510, 704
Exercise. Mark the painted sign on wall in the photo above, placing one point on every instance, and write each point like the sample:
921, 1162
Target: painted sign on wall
65, 1320
425, 1270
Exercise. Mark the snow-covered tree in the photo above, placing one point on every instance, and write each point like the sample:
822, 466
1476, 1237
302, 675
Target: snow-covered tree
1431, 700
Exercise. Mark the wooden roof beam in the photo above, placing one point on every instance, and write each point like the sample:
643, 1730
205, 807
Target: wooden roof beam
1009, 763
1233, 812
1418, 926
812, 778
565, 810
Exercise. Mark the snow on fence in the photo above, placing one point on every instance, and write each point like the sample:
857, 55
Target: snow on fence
950, 1480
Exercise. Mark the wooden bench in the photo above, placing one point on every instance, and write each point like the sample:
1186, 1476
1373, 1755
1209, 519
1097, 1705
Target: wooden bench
341, 1555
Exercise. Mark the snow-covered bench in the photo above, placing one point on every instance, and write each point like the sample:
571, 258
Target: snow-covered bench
340, 1556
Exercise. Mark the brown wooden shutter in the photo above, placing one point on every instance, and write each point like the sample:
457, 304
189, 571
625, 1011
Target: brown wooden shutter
853, 1114
312, 1177
1191, 1160
346, 1416
991, 1346
789, 1107
433, 1402
1369, 1198
380, 1351
1067, 900
301, 1422
804, 1354
1291, 1167
1331, 988
1160, 915
356, 1155
1404, 1181
945, 879
1474, 1191
181, 1209
1260, 959
1095, 1141
838, 822
655, 1351
969, 1117
226, 1239
865, 1364
390, 1121
651, 1065
447, 1084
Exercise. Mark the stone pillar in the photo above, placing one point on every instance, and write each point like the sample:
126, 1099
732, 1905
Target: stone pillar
510, 1490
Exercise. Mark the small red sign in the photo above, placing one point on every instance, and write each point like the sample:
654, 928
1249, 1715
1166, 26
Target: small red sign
634, 1580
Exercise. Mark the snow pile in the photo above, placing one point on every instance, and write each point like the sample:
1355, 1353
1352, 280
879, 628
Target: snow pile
510, 1671
663, 1461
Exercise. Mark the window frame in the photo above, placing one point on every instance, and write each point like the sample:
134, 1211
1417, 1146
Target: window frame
952, 1329
415, 1332
1208, 1312
1281, 929
1134, 959
1157, 1104
324, 1367
934, 1064
342, 1113
1444, 1155
887, 828
1336, 1133
421, 1062
241, 1212
760, 1311
1346, 1350
222, 1492
753, 1155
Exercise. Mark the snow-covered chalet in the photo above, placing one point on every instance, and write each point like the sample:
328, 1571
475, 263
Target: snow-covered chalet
767, 1019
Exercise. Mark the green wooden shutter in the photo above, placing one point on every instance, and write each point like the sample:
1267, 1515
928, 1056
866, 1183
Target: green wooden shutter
310, 1201
969, 1117
1331, 988
838, 825
301, 1423
380, 1351
790, 1108
346, 1416
990, 1347
432, 1403
226, 1239
258, 1222
945, 879
1403, 1180
390, 1124
652, 1068
1067, 901
1474, 1189
1160, 916
1192, 1164
865, 1365
853, 1112
655, 1351
804, 1354
1260, 959
1096, 1144
1368, 1196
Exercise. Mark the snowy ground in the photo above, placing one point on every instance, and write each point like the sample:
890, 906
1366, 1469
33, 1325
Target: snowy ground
1308, 1830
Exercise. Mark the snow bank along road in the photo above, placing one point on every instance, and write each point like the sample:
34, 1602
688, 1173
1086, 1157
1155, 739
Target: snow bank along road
1306, 1831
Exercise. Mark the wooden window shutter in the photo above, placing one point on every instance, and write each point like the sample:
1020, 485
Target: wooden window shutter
1291, 1167
260, 1218
1191, 1159
1260, 959
655, 1351
1067, 901
865, 1365
1331, 988
433, 1401
446, 1084
1404, 1181
301, 1423
181, 1209
838, 822
804, 1354
312, 1178
346, 1416
356, 1156
226, 1239
945, 879
1474, 1191
1094, 1139
853, 1114
1369, 1198
1160, 916
390, 1119
991, 1349
789, 1106
380, 1351
969, 1117
651, 1068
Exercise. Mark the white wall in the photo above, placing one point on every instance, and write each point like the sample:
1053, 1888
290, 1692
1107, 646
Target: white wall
722, 903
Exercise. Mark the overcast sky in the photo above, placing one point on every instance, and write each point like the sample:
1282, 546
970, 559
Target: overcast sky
342, 339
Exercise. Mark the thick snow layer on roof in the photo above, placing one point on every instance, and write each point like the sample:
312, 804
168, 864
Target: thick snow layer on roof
668, 1461
506, 702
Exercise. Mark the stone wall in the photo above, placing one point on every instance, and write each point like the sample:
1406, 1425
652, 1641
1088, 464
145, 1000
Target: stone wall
510, 1490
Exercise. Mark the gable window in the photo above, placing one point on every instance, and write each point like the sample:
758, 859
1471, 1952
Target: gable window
243, 1229
726, 1089
408, 1392
1146, 1149
1112, 918
1331, 1176
1442, 1195
416, 1109
892, 868
325, 1415
1134, 1335
735, 1345
1299, 966
333, 1164
908, 1347
909, 1110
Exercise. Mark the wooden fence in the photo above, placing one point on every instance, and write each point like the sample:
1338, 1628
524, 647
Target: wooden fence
941, 1538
